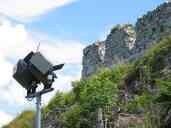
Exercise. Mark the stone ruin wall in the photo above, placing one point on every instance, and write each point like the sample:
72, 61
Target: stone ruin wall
125, 43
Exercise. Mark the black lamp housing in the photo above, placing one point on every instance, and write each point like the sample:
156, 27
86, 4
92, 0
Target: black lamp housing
33, 70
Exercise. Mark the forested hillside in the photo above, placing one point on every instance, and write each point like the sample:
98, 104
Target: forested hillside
135, 95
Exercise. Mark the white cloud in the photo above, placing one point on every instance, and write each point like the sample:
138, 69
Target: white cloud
63, 84
5, 118
6, 69
27, 9
63, 52
15, 43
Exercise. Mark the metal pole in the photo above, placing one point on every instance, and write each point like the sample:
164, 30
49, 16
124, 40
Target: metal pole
38, 111
38, 95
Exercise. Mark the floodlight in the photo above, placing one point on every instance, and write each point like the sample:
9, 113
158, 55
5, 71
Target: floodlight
33, 70
30, 72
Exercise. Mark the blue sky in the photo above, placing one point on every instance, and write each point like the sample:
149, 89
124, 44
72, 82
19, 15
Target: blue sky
64, 28
87, 20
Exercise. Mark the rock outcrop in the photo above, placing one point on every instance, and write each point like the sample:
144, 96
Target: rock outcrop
119, 44
125, 43
93, 58
153, 27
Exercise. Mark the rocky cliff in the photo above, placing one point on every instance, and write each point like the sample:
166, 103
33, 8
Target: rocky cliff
127, 42
93, 58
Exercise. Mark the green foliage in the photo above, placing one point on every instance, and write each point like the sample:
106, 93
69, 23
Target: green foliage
154, 59
140, 101
72, 117
60, 100
149, 70
165, 91
25, 120
118, 27
99, 90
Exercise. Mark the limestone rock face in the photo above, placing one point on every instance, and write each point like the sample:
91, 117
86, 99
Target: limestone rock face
119, 44
153, 27
93, 57
126, 43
